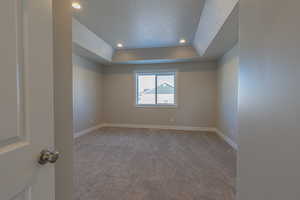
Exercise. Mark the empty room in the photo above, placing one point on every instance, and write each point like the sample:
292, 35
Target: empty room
149, 100
155, 87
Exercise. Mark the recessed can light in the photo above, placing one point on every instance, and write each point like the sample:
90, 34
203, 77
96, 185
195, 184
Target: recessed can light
120, 45
76, 5
182, 41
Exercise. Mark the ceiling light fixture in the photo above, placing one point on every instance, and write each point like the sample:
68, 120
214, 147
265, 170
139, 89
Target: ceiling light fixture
120, 45
76, 5
182, 41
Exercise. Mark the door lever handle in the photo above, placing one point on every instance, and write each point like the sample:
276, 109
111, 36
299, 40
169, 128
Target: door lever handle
48, 156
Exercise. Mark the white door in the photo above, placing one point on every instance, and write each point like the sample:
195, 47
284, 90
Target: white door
26, 99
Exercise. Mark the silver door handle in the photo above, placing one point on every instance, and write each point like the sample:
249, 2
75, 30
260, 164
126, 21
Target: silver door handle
48, 156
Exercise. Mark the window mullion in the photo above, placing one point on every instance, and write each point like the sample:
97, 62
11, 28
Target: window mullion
155, 88
137, 88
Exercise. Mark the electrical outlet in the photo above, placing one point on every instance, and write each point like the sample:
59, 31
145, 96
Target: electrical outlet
172, 119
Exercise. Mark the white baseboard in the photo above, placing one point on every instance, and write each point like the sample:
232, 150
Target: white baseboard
227, 139
164, 127
86, 131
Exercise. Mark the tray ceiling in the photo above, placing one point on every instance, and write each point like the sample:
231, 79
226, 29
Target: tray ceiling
141, 23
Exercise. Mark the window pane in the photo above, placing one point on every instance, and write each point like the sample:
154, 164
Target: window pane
166, 89
146, 89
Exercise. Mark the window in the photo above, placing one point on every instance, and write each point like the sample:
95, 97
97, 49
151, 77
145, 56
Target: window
156, 88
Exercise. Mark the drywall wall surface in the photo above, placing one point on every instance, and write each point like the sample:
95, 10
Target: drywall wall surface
149, 54
89, 41
197, 91
87, 93
228, 69
269, 100
213, 17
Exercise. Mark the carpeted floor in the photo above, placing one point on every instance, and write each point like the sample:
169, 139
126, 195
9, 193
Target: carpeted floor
148, 164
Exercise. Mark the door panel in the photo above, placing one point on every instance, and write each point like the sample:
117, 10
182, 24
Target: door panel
11, 62
26, 103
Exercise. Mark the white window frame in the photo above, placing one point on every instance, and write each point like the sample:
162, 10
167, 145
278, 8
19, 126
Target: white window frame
157, 73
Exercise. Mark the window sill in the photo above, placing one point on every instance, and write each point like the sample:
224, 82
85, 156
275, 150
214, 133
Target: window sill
156, 106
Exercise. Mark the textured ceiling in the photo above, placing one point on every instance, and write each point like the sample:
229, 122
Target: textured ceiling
141, 23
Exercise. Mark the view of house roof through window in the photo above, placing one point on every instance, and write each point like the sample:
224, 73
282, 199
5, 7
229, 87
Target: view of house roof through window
156, 88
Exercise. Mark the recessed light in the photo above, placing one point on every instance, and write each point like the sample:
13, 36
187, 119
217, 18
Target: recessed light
120, 45
182, 41
76, 5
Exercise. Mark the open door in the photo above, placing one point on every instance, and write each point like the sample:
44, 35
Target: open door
26, 100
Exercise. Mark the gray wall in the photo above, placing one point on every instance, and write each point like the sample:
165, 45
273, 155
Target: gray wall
150, 54
269, 100
197, 91
62, 52
87, 91
228, 69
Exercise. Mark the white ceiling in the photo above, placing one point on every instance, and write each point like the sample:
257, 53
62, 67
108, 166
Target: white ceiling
226, 38
141, 23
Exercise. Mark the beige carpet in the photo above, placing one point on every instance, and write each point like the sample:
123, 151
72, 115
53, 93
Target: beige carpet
147, 164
